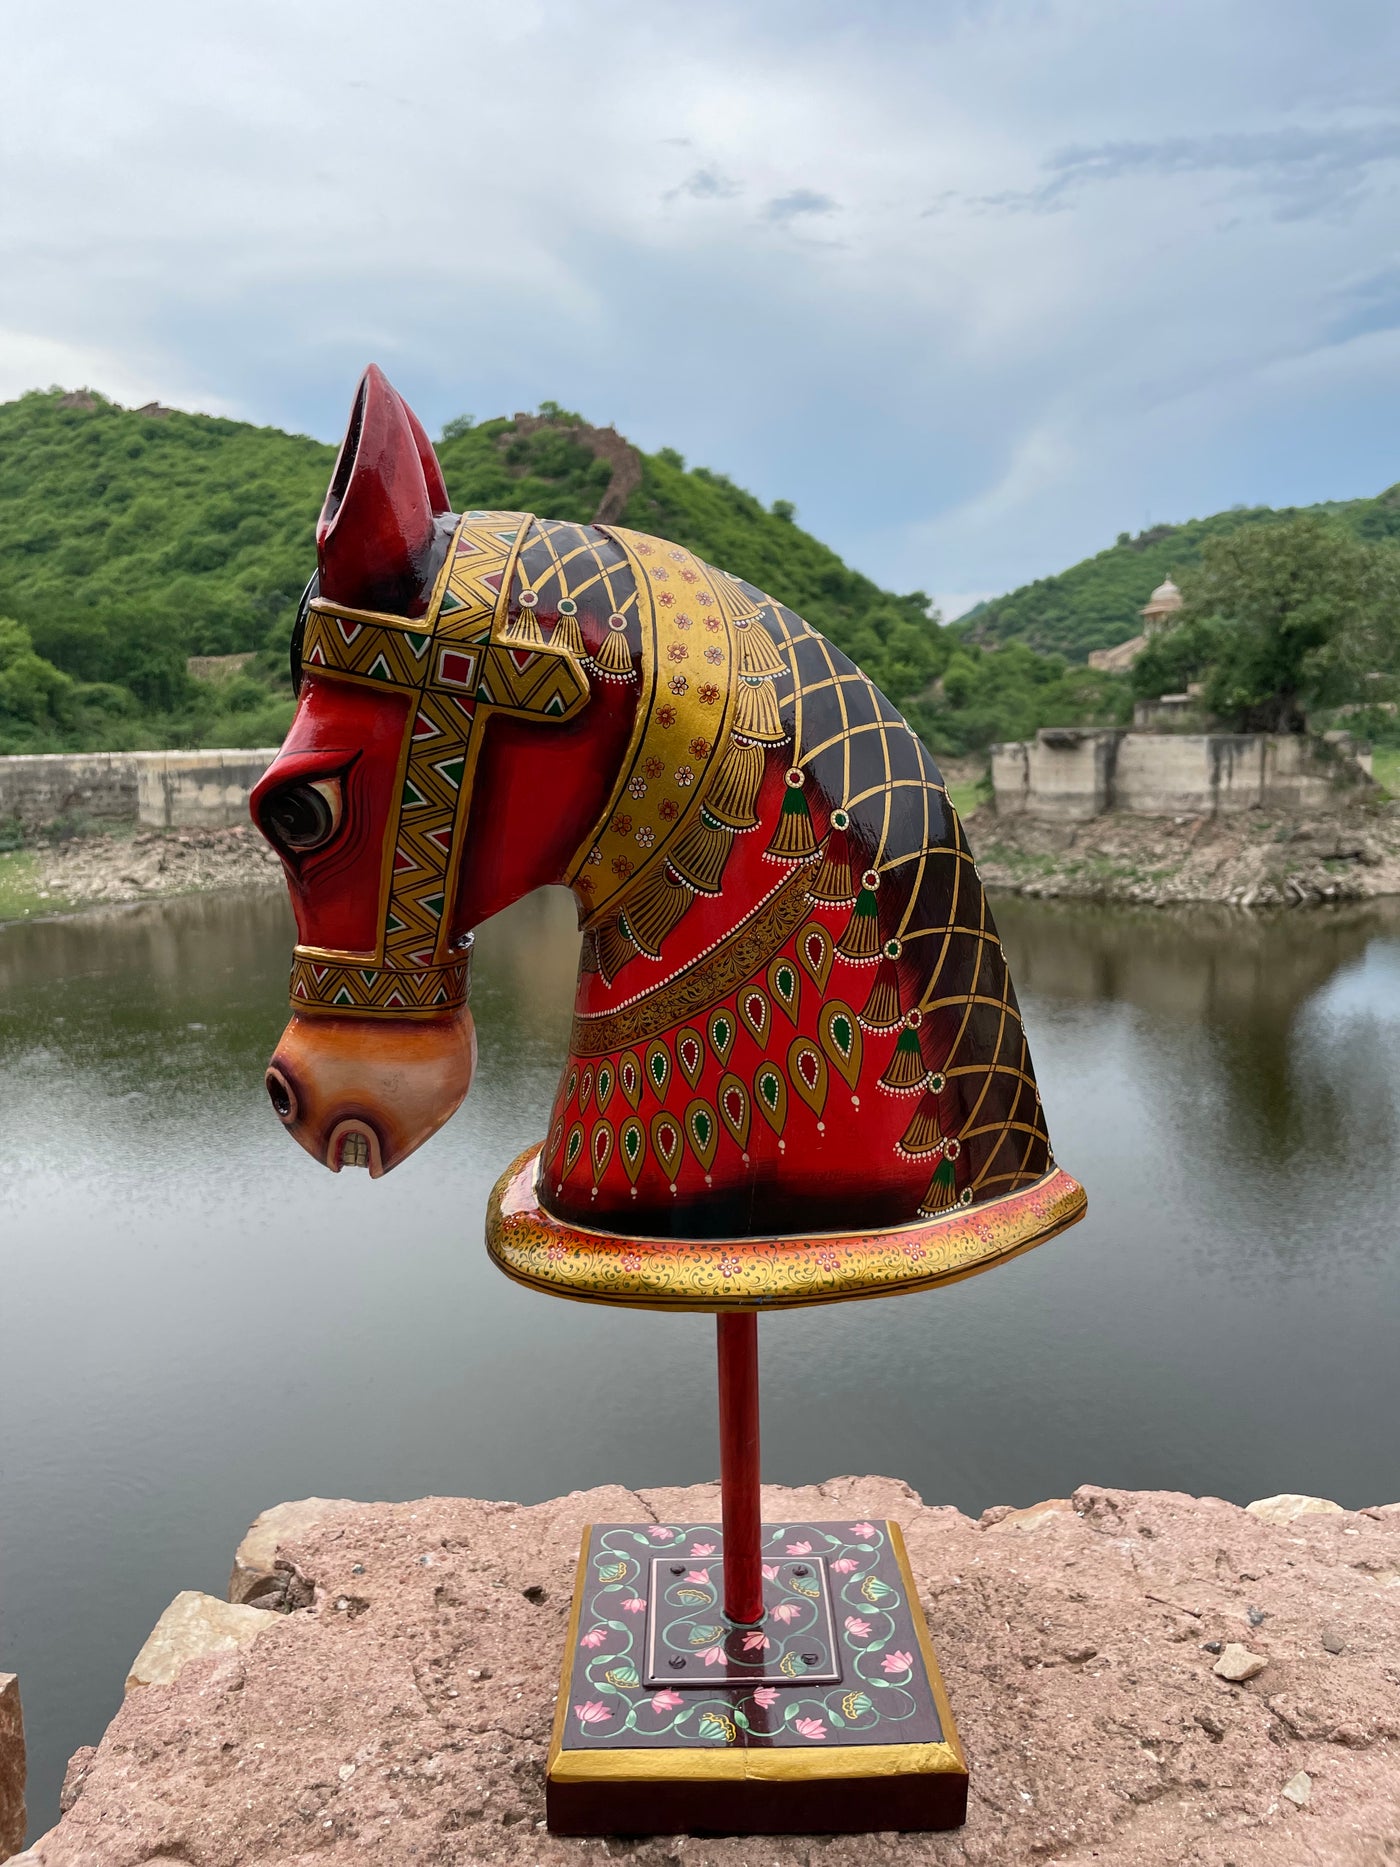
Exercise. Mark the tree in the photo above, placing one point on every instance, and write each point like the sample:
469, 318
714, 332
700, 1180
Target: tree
1278, 618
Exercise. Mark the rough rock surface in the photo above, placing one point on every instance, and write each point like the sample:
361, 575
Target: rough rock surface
404, 1715
12, 1767
1251, 860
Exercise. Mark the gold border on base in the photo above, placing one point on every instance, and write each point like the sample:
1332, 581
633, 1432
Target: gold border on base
758, 1765
712, 1275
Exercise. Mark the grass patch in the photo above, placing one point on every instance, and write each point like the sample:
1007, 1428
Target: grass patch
19, 887
965, 798
1385, 768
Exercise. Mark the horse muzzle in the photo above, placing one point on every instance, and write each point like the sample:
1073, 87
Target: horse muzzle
365, 1092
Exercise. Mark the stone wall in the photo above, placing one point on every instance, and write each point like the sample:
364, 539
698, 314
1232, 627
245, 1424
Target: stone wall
162, 790
1070, 774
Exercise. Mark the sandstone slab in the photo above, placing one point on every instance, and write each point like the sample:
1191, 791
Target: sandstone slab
1290, 1504
403, 1717
194, 1627
255, 1560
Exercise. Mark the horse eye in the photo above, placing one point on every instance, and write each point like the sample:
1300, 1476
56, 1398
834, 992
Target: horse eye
302, 817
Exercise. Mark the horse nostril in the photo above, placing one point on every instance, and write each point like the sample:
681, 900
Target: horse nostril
279, 1094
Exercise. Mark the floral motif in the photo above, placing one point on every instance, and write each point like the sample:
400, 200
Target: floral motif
666, 598
621, 867
843, 1565
810, 1727
707, 693
661, 1533
698, 1575
666, 1700
857, 1627
635, 1604
684, 622
592, 1712
898, 1662
653, 767
669, 810
713, 1656
685, 777
755, 1642
786, 1611
678, 652
702, 1549
700, 748
621, 824
594, 1637
799, 1549
730, 1266
637, 787
678, 685
770, 1571
705, 600
646, 836
688, 576
666, 716
766, 1696
711, 623
714, 654
632, 1261
865, 1531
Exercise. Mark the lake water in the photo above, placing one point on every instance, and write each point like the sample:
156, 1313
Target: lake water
199, 1321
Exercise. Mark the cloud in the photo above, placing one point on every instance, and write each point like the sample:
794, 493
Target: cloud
799, 202
1302, 171
1041, 324
702, 184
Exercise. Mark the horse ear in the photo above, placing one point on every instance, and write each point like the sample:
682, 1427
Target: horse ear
432, 472
374, 541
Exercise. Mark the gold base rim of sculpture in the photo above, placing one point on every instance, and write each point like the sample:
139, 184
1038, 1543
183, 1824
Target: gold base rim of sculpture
713, 1275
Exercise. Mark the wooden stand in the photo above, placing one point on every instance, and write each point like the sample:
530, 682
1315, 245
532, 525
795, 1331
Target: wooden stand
739, 1467
742, 1678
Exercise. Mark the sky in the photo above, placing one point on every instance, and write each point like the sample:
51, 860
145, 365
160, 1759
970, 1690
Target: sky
977, 284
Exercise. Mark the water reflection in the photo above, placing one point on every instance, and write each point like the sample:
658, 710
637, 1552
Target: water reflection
200, 1320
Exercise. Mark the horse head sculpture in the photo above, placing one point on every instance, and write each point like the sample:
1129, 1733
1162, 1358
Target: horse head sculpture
794, 1022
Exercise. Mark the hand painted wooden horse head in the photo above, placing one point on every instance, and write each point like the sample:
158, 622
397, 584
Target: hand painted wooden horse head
797, 1069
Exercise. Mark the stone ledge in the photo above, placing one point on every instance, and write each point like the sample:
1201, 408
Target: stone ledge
403, 1716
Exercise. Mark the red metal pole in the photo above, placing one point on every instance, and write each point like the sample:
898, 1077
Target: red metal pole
738, 1466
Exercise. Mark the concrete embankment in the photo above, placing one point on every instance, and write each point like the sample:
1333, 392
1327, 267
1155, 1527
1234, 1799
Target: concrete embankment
158, 790
1140, 1679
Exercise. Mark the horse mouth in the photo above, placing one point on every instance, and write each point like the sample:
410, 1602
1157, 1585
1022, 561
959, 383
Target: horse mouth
360, 1094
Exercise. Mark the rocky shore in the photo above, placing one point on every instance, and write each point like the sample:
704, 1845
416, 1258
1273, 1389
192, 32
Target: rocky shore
1248, 860
92, 871
1141, 1679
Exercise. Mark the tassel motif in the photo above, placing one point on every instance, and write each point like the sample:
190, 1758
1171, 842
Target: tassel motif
700, 855
524, 625
860, 943
881, 1009
614, 659
734, 792
942, 1192
567, 633
906, 1071
659, 904
757, 652
756, 711
794, 840
833, 884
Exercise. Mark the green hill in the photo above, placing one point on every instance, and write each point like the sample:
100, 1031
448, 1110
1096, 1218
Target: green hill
131, 540
1095, 604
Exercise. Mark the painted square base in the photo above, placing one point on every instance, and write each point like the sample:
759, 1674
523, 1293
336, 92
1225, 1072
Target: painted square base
830, 1717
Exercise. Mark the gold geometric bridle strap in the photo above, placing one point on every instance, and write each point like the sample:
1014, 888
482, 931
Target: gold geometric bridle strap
458, 664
